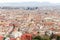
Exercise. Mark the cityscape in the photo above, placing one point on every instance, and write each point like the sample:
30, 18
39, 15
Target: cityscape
40, 21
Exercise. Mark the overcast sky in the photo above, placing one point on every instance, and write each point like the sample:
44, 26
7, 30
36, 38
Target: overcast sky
51, 1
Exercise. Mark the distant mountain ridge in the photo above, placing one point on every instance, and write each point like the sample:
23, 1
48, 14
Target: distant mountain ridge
29, 4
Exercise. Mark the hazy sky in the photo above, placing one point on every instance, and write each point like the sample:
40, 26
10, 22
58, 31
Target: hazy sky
51, 1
